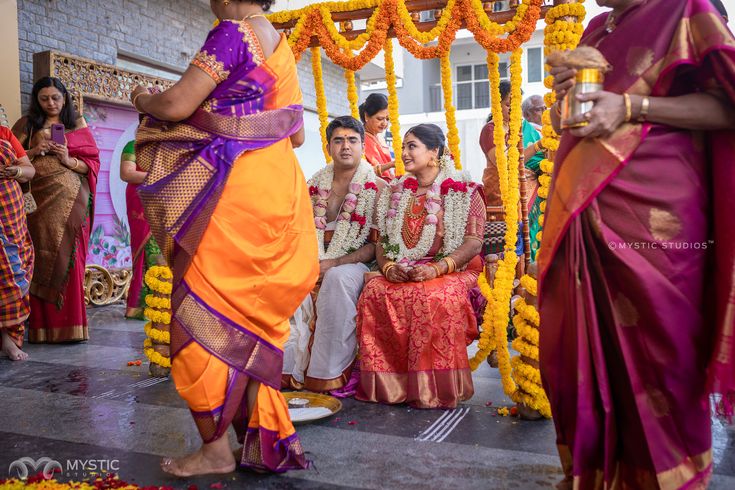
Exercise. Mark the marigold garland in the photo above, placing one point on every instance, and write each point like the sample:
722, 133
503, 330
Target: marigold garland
530, 284
155, 302
352, 93
321, 98
510, 192
395, 123
153, 356
155, 284
162, 317
450, 110
156, 335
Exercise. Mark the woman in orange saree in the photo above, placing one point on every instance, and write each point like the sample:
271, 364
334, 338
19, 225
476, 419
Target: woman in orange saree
637, 260
64, 190
228, 205
16, 248
374, 115
415, 320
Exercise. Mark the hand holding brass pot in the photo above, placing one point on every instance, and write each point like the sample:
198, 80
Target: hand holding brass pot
591, 67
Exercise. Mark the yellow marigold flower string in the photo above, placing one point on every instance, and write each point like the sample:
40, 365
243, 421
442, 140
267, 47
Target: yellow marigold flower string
449, 109
156, 335
153, 356
395, 123
321, 98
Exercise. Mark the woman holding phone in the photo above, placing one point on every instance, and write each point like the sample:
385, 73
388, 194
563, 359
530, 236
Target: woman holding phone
66, 159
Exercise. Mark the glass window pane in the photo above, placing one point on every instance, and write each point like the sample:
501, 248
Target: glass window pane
464, 96
535, 65
482, 95
464, 73
503, 69
480, 72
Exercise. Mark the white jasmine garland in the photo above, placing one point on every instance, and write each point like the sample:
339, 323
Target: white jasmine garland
456, 206
348, 235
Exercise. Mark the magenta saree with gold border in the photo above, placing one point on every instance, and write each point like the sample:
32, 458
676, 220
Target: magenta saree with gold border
636, 265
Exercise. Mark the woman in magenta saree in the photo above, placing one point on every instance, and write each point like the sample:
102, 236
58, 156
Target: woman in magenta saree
636, 264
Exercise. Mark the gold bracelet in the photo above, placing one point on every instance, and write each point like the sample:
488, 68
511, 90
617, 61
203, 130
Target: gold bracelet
628, 107
76, 163
645, 105
378, 170
436, 268
451, 264
18, 173
386, 267
135, 100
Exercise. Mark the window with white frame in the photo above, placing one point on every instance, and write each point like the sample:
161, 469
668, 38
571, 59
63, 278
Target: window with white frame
471, 88
535, 65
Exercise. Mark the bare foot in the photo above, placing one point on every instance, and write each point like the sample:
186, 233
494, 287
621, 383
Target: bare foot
11, 350
212, 458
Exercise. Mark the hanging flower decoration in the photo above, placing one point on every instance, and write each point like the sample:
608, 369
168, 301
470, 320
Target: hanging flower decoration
449, 109
321, 98
352, 93
509, 190
395, 123
356, 214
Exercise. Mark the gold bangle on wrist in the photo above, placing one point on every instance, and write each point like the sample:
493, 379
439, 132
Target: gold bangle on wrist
18, 173
386, 267
135, 102
436, 268
76, 163
628, 107
451, 264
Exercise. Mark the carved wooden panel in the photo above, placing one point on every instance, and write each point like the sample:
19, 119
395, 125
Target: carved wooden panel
91, 79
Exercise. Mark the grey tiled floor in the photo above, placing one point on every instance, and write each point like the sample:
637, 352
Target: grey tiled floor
82, 402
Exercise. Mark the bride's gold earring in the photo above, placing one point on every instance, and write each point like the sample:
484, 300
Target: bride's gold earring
433, 162
226, 2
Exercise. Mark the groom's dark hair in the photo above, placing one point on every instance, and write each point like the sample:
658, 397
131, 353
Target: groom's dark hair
347, 122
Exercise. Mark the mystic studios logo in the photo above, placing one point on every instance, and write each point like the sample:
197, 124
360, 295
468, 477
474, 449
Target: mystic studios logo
76, 468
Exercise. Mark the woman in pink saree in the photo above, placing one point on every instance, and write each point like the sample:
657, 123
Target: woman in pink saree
637, 260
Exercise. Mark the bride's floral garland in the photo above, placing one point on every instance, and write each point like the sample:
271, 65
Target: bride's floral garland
452, 186
356, 213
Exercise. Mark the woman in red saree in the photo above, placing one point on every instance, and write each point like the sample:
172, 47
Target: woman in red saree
637, 261
64, 189
16, 248
415, 320
229, 207
374, 115
140, 231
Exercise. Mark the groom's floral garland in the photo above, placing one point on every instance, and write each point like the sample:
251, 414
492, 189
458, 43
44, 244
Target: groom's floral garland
356, 214
452, 186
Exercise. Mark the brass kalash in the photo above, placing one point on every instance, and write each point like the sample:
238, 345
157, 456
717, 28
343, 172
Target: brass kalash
591, 67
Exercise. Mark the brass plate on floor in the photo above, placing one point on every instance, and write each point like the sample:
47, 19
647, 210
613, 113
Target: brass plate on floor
320, 406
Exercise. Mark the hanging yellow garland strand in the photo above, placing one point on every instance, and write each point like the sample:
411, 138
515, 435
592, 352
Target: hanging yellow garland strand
509, 187
449, 109
395, 123
321, 98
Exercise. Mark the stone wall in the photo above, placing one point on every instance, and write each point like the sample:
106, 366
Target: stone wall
167, 31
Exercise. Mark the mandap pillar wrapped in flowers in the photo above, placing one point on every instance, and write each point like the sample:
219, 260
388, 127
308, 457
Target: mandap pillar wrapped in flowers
329, 28
158, 310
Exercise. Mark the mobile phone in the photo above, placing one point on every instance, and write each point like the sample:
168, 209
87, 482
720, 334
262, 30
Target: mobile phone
57, 134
